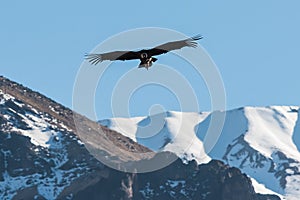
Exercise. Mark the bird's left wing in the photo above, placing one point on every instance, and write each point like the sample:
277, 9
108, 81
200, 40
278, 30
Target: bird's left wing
164, 48
115, 55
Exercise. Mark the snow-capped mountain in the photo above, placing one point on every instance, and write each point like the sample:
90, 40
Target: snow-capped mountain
263, 142
42, 157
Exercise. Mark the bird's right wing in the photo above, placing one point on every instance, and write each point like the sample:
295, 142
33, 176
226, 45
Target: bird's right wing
164, 48
116, 55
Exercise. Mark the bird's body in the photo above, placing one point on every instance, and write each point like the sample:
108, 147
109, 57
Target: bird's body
145, 55
146, 59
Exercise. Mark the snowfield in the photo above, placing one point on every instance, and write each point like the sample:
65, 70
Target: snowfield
261, 141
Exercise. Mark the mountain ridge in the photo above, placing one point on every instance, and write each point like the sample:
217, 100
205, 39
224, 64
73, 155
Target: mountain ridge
258, 140
64, 115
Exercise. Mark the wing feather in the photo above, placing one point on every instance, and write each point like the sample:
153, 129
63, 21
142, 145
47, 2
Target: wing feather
164, 48
115, 55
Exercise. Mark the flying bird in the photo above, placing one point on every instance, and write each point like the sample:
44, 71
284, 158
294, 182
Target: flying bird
145, 55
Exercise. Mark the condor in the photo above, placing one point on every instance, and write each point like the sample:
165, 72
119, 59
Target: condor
145, 55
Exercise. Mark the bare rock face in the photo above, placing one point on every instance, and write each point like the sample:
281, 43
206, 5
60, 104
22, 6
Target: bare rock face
42, 157
211, 181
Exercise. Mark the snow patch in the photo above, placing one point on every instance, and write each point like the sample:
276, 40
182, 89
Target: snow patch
40, 133
261, 188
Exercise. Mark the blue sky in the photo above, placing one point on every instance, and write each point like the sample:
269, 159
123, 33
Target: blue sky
255, 45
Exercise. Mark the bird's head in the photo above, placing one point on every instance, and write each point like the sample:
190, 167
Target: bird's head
144, 55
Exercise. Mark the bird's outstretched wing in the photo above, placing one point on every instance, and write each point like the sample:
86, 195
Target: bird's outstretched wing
164, 48
116, 55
